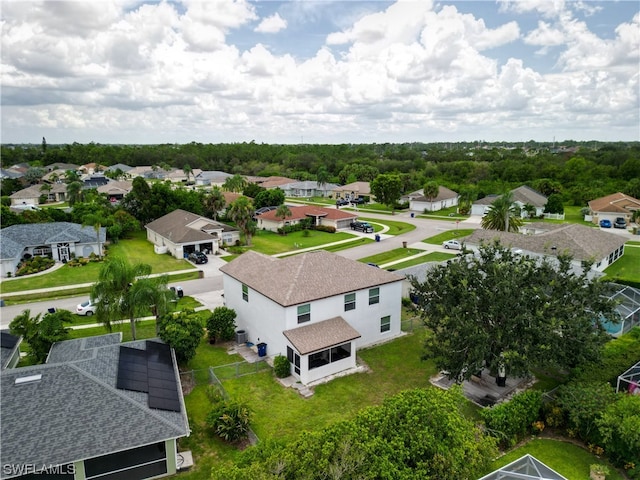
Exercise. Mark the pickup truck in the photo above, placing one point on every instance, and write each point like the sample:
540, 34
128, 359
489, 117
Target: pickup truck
362, 227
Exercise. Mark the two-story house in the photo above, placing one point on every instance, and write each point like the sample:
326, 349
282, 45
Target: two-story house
316, 308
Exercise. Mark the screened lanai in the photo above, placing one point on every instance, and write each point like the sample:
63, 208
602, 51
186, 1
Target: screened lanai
628, 299
629, 381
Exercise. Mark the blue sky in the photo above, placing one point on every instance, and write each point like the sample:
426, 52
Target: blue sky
326, 72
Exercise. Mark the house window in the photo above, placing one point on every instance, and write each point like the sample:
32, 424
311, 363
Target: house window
374, 296
385, 324
330, 355
245, 293
304, 313
349, 302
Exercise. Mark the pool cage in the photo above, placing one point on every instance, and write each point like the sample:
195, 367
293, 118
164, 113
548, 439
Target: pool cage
628, 299
629, 381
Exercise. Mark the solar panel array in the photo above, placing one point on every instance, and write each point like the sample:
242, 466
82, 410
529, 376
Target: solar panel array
150, 371
7, 340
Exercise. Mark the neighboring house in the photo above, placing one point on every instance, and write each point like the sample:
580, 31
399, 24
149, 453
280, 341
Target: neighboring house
55, 176
60, 240
98, 409
31, 195
525, 468
178, 175
8, 173
9, 349
119, 166
330, 217
307, 189
522, 196
419, 203
91, 168
271, 182
212, 177
317, 308
181, 233
353, 190
65, 167
94, 180
582, 243
143, 171
613, 206
116, 190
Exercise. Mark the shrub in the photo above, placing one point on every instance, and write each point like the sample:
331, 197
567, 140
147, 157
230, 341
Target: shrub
511, 421
281, 366
230, 420
325, 228
34, 265
183, 332
221, 324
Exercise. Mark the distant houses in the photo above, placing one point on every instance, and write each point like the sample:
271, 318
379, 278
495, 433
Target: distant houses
524, 197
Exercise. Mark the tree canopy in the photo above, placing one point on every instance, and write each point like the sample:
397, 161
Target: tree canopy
503, 215
497, 308
387, 189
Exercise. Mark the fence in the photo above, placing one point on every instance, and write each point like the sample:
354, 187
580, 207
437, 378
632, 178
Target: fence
554, 216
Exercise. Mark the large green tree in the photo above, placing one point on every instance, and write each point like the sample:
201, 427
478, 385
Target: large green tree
512, 312
235, 184
282, 212
182, 331
125, 291
241, 211
214, 202
387, 188
41, 333
503, 215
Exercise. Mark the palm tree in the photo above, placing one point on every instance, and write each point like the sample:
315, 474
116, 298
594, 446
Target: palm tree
187, 171
74, 192
431, 190
237, 183
322, 177
96, 222
241, 211
283, 212
124, 290
503, 215
45, 187
214, 202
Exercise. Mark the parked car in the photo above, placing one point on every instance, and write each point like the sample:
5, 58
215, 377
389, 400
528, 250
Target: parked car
452, 244
87, 308
342, 202
198, 258
357, 201
605, 223
362, 227
620, 223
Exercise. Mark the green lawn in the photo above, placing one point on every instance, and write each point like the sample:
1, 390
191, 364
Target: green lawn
565, 458
395, 228
430, 257
390, 255
450, 213
448, 235
271, 243
626, 267
139, 249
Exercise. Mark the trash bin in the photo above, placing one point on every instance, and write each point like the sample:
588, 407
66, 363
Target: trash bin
51, 310
377, 238
241, 337
413, 215
179, 292
262, 349
1, 303
404, 244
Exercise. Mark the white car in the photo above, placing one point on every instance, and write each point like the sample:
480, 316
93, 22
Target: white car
87, 308
453, 244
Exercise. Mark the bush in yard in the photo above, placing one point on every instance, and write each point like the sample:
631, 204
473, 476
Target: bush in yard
221, 324
40, 334
281, 366
182, 332
230, 420
619, 427
325, 228
510, 421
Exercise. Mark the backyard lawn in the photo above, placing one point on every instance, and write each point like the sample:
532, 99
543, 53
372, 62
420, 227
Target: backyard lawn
626, 267
271, 243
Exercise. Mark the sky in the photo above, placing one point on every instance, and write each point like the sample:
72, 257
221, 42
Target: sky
304, 71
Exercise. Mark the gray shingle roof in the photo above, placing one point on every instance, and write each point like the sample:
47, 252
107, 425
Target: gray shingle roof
528, 195
583, 243
75, 411
321, 335
175, 227
305, 277
9, 345
15, 238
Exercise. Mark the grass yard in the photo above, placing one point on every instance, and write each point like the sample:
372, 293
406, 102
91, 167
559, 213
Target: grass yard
449, 213
395, 228
565, 458
448, 235
430, 257
391, 255
139, 249
271, 243
626, 267
343, 246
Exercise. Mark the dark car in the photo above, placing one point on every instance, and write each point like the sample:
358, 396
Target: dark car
198, 258
362, 227
342, 202
605, 223
357, 201
620, 223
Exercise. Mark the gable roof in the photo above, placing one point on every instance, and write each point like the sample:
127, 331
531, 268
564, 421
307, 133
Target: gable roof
115, 187
527, 195
181, 226
321, 335
74, 411
615, 203
124, 168
583, 243
443, 194
8, 345
308, 185
306, 277
34, 191
15, 238
271, 182
304, 211
361, 188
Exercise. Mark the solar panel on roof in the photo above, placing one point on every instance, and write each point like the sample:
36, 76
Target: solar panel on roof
7, 340
132, 370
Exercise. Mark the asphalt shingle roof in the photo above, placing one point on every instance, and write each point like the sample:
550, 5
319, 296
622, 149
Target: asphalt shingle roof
306, 277
304, 211
175, 226
76, 412
15, 238
321, 335
615, 203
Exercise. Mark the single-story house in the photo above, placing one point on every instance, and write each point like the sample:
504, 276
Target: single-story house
582, 243
212, 177
55, 176
419, 203
9, 349
60, 240
31, 195
330, 217
65, 167
142, 171
181, 232
94, 180
613, 206
178, 175
9, 173
91, 168
116, 190
353, 190
307, 189
119, 166
524, 468
98, 409
317, 308
270, 182
523, 195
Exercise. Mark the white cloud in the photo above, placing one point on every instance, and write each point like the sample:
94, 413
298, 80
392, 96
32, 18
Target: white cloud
272, 24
